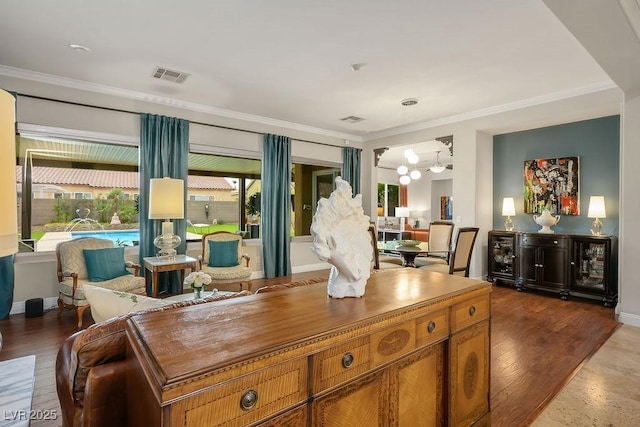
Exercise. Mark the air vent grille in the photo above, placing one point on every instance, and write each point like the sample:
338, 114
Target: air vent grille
170, 75
352, 119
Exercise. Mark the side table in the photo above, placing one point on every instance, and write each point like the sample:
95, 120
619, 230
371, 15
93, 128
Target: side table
156, 265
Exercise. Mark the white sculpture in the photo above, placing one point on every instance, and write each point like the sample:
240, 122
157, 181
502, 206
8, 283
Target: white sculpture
340, 231
546, 220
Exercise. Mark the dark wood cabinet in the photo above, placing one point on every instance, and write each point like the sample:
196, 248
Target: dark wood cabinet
567, 264
543, 262
502, 259
592, 268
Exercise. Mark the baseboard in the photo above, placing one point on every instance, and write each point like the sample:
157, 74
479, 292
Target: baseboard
629, 319
48, 304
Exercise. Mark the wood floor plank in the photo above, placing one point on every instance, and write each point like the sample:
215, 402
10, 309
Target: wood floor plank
538, 342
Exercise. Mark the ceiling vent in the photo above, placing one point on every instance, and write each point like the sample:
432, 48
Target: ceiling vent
352, 119
170, 75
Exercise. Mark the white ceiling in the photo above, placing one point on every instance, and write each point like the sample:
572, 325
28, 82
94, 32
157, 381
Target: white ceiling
290, 60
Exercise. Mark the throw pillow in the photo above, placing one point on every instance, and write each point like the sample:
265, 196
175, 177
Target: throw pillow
104, 264
223, 254
106, 303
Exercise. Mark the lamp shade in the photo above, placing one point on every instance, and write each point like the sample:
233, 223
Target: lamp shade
437, 168
508, 206
417, 214
596, 207
166, 198
402, 212
8, 193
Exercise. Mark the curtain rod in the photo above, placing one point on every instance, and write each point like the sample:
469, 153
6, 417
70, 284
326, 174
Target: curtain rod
118, 110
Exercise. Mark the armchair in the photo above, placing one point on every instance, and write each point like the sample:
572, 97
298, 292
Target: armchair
223, 260
73, 273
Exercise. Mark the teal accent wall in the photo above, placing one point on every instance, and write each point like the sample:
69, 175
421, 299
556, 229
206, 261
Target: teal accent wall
596, 142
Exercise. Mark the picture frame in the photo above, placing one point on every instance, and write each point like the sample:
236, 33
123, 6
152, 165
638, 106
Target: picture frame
552, 184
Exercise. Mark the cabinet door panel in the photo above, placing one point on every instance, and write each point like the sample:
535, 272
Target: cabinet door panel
416, 389
527, 264
554, 267
469, 375
363, 402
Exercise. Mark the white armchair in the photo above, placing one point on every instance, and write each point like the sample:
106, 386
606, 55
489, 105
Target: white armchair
73, 273
223, 259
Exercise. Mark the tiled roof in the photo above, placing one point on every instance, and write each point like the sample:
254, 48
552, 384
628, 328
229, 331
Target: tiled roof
110, 179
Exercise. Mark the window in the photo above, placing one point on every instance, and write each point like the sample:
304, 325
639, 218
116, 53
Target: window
224, 193
309, 184
70, 183
388, 199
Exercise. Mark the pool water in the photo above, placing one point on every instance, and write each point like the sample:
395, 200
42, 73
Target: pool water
119, 237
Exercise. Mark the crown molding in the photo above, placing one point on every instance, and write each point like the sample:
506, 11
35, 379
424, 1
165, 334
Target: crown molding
497, 109
171, 102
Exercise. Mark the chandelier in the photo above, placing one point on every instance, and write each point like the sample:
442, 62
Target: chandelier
411, 158
437, 167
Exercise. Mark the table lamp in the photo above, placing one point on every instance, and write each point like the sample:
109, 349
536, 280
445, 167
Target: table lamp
508, 209
402, 213
166, 202
596, 210
417, 216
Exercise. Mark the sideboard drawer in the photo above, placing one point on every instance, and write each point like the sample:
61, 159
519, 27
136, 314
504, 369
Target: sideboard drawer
544, 240
432, 327
392, 343
470, 312
340, 363
247, 399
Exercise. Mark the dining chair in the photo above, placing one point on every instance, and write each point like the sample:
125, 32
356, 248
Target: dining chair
374, 244
440, 233
461, 258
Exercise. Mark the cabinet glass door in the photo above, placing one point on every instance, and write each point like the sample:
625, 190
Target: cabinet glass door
503, 255
589, 260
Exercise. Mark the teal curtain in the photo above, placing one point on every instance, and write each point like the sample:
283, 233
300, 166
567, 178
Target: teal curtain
164, 149
276, 205
351, 167
6, 285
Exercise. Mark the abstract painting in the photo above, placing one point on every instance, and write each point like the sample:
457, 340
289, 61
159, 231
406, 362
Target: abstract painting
552, 184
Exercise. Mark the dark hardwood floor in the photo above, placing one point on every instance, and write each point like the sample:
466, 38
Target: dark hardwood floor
538, 343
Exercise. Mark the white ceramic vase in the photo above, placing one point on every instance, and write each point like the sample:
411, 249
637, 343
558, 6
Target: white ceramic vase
546, 221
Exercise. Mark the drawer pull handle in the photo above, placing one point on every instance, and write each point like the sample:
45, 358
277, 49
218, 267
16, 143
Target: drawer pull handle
249, 400
431, 326
472, 310
347, 360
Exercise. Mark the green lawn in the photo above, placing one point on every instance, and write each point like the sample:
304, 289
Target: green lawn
230, 227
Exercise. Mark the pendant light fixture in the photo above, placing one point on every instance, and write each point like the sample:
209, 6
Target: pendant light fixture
437, 167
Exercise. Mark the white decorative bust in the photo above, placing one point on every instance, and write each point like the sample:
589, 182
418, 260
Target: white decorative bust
341, 238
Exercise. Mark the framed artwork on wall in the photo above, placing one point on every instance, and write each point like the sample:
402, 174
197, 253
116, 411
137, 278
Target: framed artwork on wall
446, 207
552, 184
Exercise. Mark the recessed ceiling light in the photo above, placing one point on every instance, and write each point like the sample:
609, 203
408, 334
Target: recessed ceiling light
79, 48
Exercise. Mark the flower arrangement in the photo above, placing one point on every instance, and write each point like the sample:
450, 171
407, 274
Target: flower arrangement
197, 279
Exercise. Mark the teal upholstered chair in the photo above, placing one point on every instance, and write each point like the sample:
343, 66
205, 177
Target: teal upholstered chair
223, 259
104, 266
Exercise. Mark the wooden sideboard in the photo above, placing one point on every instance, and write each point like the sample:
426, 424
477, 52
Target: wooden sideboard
415, 350
567, 264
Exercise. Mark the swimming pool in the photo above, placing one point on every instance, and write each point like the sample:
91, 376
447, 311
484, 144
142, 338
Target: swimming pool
119, 237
